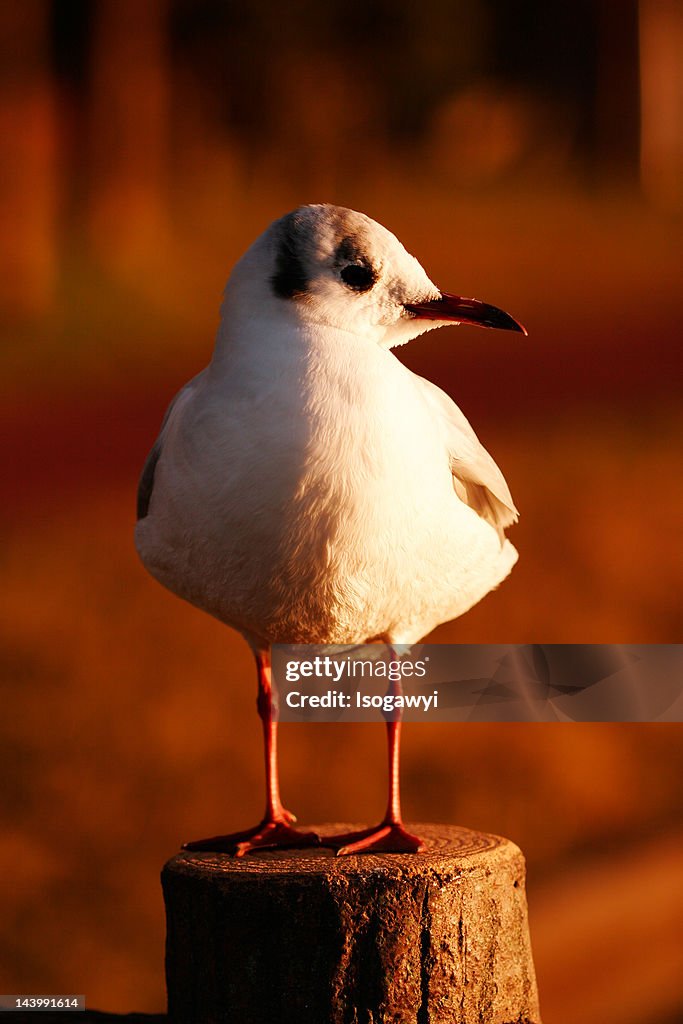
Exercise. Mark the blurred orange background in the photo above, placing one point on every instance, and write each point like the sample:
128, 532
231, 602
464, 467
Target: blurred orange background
528, 154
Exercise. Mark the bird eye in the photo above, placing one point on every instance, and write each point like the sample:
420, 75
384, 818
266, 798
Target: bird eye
358, 276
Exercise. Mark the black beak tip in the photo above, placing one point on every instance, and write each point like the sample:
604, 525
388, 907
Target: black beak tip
505, 322
485, 315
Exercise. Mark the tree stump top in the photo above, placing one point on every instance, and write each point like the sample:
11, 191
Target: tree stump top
449, 850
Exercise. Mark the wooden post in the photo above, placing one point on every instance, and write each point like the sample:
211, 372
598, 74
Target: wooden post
304, 937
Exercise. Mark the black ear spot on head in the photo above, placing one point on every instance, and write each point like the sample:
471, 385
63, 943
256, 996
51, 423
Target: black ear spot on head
290, 277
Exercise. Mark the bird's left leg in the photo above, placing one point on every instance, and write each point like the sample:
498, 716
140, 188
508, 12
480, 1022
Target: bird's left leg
275, 829
390, 836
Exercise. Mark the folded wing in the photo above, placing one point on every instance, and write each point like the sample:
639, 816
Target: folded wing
476, 477
146, 484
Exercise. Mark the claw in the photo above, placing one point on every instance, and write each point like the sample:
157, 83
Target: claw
385, 838
266, 836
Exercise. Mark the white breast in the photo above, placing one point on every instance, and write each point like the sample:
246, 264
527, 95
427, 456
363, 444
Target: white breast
308, 497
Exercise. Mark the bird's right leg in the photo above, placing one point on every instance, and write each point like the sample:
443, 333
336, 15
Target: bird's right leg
390, 836
275, 830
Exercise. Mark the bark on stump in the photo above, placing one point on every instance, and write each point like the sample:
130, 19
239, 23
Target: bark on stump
304, 937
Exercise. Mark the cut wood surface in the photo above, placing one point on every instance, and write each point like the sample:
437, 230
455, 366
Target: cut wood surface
304, 937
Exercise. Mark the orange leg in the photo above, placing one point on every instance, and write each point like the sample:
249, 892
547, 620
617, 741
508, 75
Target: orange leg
389, 836
275, 830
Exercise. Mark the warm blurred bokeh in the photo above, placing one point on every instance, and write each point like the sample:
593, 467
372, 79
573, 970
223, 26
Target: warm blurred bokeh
530, 154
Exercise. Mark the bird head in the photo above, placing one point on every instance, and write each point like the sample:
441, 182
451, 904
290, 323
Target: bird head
327, 266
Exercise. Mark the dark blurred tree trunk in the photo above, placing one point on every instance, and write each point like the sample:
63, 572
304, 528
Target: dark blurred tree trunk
128, 130
28, 157
661, 81
328, 132
616, 125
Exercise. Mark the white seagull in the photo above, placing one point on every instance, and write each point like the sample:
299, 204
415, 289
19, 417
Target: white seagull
307, 488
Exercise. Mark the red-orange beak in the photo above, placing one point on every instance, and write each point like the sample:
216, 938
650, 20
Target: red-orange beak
456, 309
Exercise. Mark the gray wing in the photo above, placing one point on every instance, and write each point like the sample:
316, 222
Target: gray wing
146, 484
476, 477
